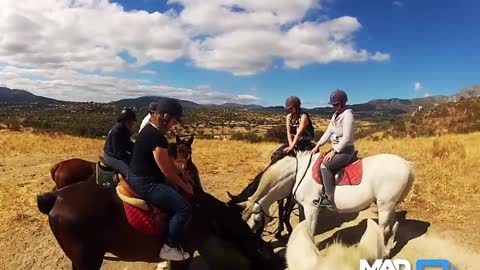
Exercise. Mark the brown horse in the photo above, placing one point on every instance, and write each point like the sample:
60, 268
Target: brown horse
70, 171
87, 227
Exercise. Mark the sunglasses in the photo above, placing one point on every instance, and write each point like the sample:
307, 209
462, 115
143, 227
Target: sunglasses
335, 104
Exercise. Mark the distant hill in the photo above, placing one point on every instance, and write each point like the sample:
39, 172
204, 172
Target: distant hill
18, 97
145, 100
374, 110
459, 116
472, 91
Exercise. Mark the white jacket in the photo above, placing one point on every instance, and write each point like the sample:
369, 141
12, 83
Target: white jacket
340, 131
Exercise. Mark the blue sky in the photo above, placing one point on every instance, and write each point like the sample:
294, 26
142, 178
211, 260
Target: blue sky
387, 49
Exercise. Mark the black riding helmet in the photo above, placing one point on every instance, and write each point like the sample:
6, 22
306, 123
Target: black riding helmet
127, 114
170, 106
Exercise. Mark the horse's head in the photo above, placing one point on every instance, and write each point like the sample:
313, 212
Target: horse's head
181, 152
231, 228
236, 200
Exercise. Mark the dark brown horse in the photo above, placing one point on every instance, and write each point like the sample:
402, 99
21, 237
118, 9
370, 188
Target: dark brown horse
70, 171
89, 226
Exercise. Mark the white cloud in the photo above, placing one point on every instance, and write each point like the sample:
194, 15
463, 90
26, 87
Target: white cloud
250, 51
398, 4
418, 86
148, 72
76, 86
86, 35
242, 37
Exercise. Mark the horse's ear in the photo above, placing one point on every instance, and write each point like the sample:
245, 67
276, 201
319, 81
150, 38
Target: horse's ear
242, 205
190, 140
178, 139
231, 196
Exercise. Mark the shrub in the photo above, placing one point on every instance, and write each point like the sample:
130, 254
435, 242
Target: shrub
276, 134
441, 149
249, 137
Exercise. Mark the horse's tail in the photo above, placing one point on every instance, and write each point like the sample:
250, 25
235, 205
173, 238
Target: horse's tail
411, 179
45, 202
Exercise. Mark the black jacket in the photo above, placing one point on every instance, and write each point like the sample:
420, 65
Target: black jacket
118, 144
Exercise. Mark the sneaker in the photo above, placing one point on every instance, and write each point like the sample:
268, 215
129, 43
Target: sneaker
173, 254
326, 203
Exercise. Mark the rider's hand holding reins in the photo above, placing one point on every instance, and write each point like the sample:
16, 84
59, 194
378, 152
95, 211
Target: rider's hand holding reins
167, 167
288, 149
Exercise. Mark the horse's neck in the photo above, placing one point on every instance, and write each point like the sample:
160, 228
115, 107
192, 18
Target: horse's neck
281, 171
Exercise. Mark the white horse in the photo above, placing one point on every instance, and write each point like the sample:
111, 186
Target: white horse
386, 181
302, 253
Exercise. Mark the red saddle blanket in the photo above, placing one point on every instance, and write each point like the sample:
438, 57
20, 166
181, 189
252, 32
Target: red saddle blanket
352, 174
153, 221
143, 221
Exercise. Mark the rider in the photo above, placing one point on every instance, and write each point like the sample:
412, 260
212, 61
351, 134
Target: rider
151, 109
118, 147
340, 133
154, 176
300, 130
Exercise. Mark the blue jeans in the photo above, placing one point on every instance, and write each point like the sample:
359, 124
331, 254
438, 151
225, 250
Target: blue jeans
165, 197
118, 165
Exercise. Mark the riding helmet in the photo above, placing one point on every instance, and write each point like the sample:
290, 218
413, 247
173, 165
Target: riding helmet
127, 114
338, 96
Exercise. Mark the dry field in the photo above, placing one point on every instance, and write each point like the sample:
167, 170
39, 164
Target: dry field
442, 217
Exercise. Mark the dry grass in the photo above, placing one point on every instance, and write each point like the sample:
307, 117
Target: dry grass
447, 169
445, 192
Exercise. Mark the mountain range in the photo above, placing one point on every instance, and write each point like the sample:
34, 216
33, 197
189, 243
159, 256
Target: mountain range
380, 107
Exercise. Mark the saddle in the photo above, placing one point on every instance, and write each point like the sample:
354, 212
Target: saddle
142, 216
105, 176
350, 174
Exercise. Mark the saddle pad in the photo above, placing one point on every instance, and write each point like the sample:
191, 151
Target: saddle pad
352, 174
141, 220
316, 169
139, 203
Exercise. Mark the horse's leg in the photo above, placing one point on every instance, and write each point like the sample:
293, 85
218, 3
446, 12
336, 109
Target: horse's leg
301, 213
181, 265
388, 225
288, 211
281, 213
89, 262
311, 214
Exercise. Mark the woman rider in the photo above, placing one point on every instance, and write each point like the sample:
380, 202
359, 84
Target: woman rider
118, 147
340, 134
300, 130
155, 178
